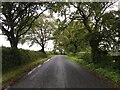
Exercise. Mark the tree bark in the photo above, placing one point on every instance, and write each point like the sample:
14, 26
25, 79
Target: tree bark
94, 43
43, 49
13, 42
97, 54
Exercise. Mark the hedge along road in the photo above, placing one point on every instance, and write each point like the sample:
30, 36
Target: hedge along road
58, 72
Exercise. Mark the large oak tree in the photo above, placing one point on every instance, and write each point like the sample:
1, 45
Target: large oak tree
18, 17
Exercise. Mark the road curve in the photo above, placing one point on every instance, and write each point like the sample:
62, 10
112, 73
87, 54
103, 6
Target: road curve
59, 72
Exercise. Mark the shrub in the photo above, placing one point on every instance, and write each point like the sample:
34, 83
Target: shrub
70, 54
84, 55
12, 58
87, 57
116, 62
80, 55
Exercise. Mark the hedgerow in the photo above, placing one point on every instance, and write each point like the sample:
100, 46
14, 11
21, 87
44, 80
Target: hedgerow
11, 57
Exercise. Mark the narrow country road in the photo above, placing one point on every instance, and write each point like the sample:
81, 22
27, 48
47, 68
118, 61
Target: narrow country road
59, 72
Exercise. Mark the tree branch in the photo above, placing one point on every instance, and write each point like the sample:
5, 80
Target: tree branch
32, 23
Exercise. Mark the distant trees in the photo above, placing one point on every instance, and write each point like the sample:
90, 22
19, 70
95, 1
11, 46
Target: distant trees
18, 17
73, 39
41, 31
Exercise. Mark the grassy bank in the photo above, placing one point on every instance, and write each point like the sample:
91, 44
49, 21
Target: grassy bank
16, 62
111, 75
15, 73
12, 57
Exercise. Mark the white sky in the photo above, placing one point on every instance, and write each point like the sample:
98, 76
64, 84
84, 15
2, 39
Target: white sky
36, 47
4, 42
49, 47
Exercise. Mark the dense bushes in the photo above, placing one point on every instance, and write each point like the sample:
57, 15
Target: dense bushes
105, 61
84, 55
116, 61
15, 57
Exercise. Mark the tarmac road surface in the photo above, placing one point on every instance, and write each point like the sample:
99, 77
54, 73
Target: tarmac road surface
59, 72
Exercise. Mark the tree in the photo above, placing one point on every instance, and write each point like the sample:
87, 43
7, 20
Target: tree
73, 39
16, 16
111, 31
91, 14
41, 31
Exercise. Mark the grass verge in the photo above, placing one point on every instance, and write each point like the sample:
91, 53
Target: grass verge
111, 75
10, 77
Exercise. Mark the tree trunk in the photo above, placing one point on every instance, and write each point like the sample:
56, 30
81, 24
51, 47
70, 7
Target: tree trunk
95, 55
75, 51
98, 55
94, 43
13, 42
43, 49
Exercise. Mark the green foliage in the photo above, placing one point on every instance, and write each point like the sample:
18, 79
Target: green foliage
15, 73
116, 62
103, 28
73, 38
79, 55
12, 57
87, 57
107, 61
18, 18
107, 72
84, 55
41, 31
